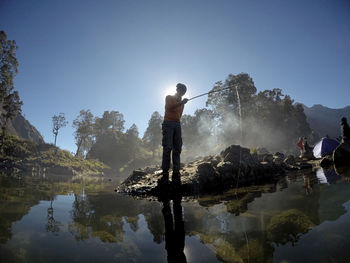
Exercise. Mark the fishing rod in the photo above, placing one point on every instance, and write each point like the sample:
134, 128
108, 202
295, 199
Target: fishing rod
213, 91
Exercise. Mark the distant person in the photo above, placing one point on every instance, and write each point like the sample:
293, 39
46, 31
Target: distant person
172, 140
345, 129
306, 145
300, 145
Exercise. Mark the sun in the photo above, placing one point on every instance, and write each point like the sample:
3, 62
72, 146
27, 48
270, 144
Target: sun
169, 90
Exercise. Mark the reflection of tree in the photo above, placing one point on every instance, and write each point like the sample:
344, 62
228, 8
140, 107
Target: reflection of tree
95, 215
154, 223
52, 225
133, 222
287, 226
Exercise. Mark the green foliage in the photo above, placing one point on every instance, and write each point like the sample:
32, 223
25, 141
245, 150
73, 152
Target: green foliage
13, 147
110, 120
110, 148
45, 155
199, 132
269, 118
84, 129
287, 226
9, 99
153, 134
226, 101
58, 122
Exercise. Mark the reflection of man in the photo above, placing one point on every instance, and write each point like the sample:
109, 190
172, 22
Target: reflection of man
171, 128
174, 231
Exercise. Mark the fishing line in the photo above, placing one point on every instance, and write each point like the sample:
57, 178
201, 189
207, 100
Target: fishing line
240, 149
213, 91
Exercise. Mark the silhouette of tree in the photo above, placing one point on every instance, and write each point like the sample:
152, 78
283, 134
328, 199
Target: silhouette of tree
132, 140
58, 121
153, 133
83, 134
9, 99
110, 120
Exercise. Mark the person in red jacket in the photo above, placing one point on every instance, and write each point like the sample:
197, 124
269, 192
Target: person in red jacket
172, 140
300, 145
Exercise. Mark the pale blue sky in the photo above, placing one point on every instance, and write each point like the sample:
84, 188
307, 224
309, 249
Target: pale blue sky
125, 55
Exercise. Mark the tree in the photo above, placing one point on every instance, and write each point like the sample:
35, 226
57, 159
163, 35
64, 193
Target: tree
9, 99
153, 133
110, 120
132, 139
198, 132
110, 148
58, 121
84, 128
233, 104
226, 102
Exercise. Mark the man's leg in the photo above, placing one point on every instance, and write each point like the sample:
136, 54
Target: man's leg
167, 143
177, 143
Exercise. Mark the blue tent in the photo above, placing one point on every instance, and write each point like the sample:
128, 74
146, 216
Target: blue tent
324, 147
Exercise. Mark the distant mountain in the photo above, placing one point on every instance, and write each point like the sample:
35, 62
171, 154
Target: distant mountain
23, 129
326, 121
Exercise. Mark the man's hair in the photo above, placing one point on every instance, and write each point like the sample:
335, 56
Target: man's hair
181, 87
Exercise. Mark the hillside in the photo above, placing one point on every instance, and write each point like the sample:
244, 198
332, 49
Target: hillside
326, 121
21, 127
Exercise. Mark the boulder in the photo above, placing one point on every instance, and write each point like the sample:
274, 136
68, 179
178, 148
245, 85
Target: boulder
205, 170
278, 160
278, 155
341, 158
290, 160
307, 155
326, 162
225, 167
268, 158
136, 176
261, 151
341, 154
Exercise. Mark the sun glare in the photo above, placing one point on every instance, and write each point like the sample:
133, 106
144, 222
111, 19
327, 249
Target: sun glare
169, 90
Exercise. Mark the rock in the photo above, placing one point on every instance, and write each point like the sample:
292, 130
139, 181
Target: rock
278, 155
289, 160
214, 162
225, 167
307, 155
234, 166
261, 151
278, 160
205, 170
341, 155
268, 158
135, 177
232, 157
235, 149
304, 165
150, 169
326, 162
341, 158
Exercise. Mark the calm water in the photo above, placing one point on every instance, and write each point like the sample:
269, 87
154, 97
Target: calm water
302, 218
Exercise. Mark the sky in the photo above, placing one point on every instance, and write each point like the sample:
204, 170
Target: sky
127, 55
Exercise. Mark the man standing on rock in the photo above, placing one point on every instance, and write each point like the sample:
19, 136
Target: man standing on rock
171, 128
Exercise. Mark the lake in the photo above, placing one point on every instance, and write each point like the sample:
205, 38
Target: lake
304, 217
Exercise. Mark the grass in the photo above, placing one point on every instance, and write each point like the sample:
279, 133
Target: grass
15, 149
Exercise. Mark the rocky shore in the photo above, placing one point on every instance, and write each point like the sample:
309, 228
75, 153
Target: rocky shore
234, 167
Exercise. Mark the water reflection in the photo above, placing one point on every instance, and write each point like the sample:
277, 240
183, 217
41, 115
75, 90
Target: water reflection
174, 230
327, 176
52, 225
46, 217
